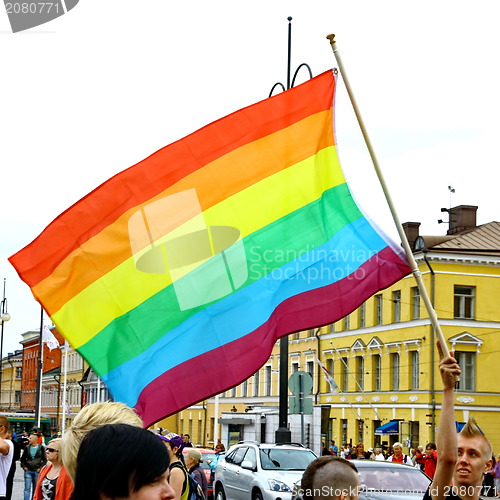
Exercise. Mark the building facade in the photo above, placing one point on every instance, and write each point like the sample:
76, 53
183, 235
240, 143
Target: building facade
10, 390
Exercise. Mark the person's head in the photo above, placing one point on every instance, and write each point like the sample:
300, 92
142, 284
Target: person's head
330, 478
186, 438
332, 442
474, 455
33, 438
398, 449
219, 448
429, 448
174, 444
54, 450
378, 451
4, 425
122, 461
89, 418
361, 448
193, 457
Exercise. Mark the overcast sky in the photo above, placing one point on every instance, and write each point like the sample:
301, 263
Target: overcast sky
112, 81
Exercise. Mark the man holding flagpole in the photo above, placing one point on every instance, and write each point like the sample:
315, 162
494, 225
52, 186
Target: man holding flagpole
463, 458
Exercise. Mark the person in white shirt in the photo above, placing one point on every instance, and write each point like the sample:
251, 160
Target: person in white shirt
398, 455
6, 454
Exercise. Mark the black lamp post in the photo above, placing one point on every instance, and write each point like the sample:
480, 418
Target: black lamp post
283, 434
4, 316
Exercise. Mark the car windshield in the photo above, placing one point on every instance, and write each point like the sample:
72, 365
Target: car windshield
285, 459
393, 479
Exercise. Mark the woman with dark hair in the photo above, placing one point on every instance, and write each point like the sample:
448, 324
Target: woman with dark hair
178, 478
121, 460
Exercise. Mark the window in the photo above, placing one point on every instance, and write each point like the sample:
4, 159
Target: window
396, 306
377, 372
251, 457
310, 368
233, 395
295, 366
414, 370
395, 371
256, 382
463, 302
415, 303
268, 380
361, 424
244, 389
237, 457
362, 315
360, 373
347, 322
19, 372
329, 367
467, 362
343, 421
378, 309
344, 382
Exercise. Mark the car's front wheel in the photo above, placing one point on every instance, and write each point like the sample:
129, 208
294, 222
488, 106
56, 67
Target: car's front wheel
219, 494
257, 496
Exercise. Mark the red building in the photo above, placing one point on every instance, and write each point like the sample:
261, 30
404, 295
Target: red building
31, 354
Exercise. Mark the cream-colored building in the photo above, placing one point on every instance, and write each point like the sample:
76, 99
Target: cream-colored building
10, 390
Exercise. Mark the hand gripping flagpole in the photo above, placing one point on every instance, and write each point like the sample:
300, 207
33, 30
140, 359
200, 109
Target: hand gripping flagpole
404, 240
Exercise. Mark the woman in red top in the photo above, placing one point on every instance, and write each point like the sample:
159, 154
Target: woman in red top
430, 459
53, 481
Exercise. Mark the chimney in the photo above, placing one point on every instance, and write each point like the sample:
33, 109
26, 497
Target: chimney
462, 218
411, 230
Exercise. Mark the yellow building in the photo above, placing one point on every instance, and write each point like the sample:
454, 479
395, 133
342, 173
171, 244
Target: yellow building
383, 355
10, 389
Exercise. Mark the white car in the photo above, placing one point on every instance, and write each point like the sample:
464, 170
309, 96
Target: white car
253, 471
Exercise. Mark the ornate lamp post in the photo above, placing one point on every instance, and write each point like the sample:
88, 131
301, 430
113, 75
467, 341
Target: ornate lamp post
283, 434
4, 316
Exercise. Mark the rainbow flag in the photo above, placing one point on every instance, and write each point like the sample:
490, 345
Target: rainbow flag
175, 278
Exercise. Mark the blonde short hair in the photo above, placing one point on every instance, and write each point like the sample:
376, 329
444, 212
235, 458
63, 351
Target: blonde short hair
472, 430
90, 417
57, 440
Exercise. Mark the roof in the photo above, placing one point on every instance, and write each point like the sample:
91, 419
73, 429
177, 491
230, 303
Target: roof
483, 239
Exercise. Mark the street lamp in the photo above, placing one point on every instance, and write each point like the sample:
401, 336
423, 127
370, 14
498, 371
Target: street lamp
4, 316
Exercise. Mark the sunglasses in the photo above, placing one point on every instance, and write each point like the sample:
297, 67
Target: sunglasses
52, 450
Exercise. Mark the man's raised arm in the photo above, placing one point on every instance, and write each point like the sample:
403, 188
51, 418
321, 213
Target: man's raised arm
447, 435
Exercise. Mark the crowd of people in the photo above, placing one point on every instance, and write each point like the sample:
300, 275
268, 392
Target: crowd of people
425, 459
106, 454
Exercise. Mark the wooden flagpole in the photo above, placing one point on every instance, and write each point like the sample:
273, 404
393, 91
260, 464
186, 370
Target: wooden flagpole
404, 240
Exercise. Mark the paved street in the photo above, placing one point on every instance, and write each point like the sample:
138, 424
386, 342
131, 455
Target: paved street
17, 493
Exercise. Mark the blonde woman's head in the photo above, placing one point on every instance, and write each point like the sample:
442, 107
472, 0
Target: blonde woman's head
90, 417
